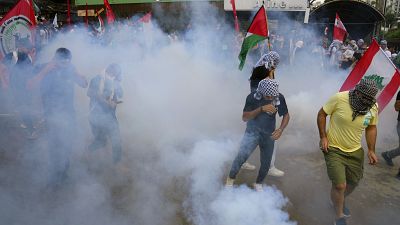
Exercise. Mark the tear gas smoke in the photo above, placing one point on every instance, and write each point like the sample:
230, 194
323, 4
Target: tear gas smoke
180, 124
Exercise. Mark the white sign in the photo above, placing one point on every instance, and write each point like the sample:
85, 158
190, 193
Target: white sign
270, 5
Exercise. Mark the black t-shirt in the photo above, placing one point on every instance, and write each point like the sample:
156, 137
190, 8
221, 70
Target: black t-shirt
398, 98
263, 122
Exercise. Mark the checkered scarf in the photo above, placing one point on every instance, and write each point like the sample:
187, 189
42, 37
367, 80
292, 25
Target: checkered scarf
361, 103
268, 87
269, 60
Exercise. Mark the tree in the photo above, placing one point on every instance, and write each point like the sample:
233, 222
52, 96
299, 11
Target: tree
390, 19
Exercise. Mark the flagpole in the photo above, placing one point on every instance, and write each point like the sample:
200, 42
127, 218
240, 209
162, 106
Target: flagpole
68, 13
266, 22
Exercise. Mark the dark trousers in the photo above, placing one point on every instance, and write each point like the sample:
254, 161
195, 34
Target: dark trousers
248, 144
395, 152
106, 126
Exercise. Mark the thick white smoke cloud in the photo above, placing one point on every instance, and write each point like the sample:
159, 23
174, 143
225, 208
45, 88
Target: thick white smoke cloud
180, 124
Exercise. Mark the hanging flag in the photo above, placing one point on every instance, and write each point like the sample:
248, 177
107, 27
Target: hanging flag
235, 15
55, 23
109, 12
19, 22
258, 31
146, 18
68, 12
377, 66
86, 16
339, 31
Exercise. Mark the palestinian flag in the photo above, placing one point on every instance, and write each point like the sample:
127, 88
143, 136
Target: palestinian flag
377, 66
258, 31
19, 22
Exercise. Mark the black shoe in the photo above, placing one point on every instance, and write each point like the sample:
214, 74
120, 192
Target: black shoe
398, 175
387, 159
340, 221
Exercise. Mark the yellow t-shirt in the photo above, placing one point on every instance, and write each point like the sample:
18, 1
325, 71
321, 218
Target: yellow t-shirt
343, 133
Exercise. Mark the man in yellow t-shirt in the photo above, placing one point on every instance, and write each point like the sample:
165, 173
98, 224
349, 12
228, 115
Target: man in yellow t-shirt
351, 112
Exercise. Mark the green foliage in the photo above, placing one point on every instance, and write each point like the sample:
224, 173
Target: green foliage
393, 34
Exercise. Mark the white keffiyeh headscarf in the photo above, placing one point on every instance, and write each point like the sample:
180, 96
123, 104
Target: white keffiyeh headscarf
268, 87
269, 60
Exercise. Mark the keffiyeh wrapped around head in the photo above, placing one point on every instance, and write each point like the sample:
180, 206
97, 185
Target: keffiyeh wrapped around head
268, 87
269, 60
362, 97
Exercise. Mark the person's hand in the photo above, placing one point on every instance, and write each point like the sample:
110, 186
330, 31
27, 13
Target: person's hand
323, 144
277, 134
373, 160
269, 109
112, 104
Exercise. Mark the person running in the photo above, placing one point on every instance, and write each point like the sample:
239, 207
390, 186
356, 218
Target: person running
260, 130
389, 155
105, 93
57, 81
351, 113
265, 68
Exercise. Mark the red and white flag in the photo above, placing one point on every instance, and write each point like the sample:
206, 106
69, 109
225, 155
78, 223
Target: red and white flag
146, 18
377, 66
18, 22
109, 12
339, 31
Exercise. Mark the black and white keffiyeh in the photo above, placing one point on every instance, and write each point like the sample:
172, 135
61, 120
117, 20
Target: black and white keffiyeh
269, 60
362, 97
268, 87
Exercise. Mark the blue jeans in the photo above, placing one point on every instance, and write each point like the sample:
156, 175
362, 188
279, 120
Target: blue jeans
395, 152
248, 144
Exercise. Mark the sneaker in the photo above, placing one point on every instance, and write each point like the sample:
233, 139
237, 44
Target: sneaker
346, 212
229, 182
273, 171
387, 159
258, 187
248, 166
340, 221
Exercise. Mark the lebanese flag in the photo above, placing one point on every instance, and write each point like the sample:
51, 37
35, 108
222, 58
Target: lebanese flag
19, 21
109, 12
339, 31
258, 31
377, 66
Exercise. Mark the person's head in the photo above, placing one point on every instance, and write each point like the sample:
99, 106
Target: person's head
360, 42
113, 71
63, 56
269, 60
363, 97
367, 90
267, 89
383, 44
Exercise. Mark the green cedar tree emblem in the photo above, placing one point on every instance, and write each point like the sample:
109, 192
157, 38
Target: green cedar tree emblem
378, 79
